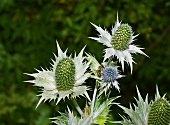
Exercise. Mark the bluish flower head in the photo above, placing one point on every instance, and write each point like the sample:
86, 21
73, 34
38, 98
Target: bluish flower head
109, 74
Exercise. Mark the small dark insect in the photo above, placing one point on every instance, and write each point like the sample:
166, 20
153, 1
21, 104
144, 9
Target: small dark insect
99, 70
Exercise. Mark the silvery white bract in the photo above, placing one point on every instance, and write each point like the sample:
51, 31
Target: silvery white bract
98, 116
102, 108
144, 113
70, 119
119, 43
64, 79
139, 114
107, 74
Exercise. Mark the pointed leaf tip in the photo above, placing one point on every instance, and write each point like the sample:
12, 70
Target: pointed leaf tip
60, 52
157, 93
139, 95
117, 17
81, 52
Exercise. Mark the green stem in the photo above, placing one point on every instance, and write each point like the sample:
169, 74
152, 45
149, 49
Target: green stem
110, 59
94, 97
77, 107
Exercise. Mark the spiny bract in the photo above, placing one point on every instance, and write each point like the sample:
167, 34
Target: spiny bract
144, 113
119, 43
64, 79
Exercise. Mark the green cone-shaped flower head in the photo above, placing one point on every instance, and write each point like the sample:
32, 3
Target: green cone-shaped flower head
159, 113
144, 113
64, 79
121, 37
119, 43
65, 74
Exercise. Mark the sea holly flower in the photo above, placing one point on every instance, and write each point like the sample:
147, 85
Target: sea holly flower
159, 113
144, 113
119, 43
110, 75
106, 73
64, 79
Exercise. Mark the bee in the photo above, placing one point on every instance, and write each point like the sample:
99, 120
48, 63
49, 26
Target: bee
99, 70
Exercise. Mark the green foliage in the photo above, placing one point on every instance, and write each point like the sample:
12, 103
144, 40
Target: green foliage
139, 114
70, 119
101, 109
62, 119
29, 28
17, 108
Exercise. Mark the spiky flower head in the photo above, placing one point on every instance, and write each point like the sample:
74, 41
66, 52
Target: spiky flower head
119, 43
106, 74
121, 37
144, 113
109, 77
109, 73
64, 79
159, 113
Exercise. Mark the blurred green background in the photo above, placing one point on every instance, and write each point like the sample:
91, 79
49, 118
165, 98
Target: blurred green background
28, 33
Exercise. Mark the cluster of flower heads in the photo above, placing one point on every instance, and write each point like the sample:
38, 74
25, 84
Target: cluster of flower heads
67, 75
106, 73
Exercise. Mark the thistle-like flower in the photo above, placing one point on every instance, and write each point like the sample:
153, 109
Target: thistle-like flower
64, 79
106, 74
159, 113
144, 113
109, 77
119, 43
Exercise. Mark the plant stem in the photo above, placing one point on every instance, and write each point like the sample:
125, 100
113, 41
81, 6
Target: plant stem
110, 59
94, 97
77, 107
